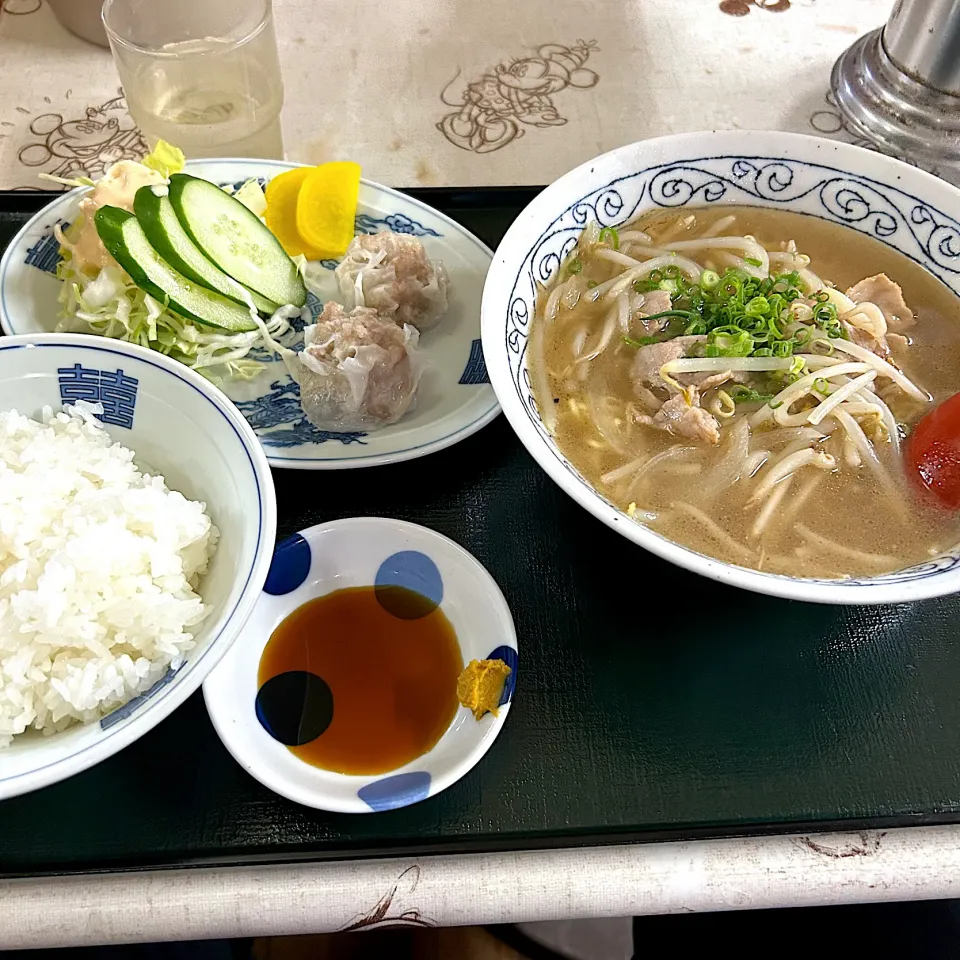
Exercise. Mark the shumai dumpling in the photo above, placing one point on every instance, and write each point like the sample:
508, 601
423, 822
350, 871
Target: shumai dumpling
392, 273
358, 370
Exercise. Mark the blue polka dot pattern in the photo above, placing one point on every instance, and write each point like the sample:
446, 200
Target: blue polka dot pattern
295, 707
509, 656
290, 566
410, 570
400, 790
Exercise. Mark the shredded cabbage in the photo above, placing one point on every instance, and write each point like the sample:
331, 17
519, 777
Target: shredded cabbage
165, 159
251, 195
312, 274
112, 305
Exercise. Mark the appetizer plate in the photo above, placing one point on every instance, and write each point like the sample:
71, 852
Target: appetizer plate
355, 553
454, 399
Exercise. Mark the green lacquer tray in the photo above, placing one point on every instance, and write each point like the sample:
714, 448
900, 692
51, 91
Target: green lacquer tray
651, 704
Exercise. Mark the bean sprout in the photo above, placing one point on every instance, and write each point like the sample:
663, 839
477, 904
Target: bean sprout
616, 285
767, 511
787, 466
885, 369
841, 394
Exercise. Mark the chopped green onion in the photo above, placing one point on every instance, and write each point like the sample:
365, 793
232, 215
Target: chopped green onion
726, 344
575, 266
753, 261
743, 315
609, 235
821, 386
774, 405
746, 395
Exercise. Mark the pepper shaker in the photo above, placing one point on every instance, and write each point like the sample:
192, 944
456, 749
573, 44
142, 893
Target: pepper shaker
899, 86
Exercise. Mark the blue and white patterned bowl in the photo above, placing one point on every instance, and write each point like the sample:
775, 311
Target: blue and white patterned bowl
454, 398
180, 425
903, 207
361, 552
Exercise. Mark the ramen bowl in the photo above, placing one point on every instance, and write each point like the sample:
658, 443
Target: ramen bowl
908, 210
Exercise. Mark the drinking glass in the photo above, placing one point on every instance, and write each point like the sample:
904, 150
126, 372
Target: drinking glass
203, 75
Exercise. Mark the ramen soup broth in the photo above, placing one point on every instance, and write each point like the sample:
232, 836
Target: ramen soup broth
776, 492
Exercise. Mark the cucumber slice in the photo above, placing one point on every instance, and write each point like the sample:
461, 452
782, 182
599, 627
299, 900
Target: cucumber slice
123, 236
236, 240
166, 236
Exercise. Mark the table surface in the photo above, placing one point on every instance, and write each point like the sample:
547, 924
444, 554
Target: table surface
651, 703
671, 709
614, 881
462, 92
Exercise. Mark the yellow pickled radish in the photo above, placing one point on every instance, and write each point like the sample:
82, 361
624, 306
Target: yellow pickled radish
327, 207
282, 193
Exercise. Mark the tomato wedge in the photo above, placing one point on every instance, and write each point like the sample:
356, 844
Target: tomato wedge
932, 453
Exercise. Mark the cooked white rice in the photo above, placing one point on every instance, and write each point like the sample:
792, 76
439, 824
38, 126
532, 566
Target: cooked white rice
99, 565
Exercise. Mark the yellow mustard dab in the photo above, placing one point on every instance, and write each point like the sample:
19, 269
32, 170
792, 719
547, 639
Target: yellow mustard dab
480, 686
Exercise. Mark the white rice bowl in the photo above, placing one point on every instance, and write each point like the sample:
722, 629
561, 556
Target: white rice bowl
119, 591
99, 568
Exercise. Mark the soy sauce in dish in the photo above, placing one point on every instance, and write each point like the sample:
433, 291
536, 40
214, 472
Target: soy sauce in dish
362, 680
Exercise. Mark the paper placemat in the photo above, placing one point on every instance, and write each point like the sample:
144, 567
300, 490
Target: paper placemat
461, 93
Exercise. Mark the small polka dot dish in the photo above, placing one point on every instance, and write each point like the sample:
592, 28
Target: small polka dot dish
342, 691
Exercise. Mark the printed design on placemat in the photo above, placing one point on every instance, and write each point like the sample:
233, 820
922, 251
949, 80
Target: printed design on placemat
114, 390
867, 844
740, 8
72, 145
384, 913
828, 121
493, 109
279, 419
